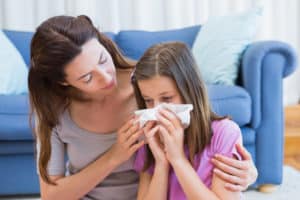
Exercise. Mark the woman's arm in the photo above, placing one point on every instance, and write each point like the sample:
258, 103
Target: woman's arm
79, 184
238, 174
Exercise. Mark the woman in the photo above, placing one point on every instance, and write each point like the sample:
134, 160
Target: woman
81, 96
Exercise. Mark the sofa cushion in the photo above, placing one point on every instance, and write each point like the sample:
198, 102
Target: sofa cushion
14, 104
22, 39
233, 101
134, 43
14, 118
17, 147
15, 127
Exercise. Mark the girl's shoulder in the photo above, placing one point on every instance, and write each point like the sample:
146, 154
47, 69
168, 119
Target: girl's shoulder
225, 134
224, 125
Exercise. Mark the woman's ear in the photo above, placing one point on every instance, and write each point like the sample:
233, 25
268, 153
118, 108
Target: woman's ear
64, 83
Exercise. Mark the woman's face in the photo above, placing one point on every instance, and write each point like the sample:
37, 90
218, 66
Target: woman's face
92, 71
159, 89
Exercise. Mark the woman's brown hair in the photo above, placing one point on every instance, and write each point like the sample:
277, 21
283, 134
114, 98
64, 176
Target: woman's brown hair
175, 60
56, 42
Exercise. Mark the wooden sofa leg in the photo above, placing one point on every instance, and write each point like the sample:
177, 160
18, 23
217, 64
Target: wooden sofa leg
267, 188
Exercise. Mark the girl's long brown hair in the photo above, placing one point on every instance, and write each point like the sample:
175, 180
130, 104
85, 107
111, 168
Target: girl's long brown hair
175, 60
55, 43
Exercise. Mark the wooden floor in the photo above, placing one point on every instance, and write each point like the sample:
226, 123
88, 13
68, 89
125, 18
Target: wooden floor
292, 136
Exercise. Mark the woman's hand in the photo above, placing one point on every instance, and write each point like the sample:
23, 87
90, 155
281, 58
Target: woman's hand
238, 174
156, 147
172, 132
127, 142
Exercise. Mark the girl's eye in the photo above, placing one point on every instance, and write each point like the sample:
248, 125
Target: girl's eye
88, 78
148, 101
167, 99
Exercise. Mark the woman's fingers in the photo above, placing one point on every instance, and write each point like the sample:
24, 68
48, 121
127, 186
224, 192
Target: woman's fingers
132, 130
231, 180
230, 162
127, 125
136, 146
243, 152
134, 138
235, 188
227, 168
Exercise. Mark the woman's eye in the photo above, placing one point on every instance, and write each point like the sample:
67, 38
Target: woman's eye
88, 78
102, 61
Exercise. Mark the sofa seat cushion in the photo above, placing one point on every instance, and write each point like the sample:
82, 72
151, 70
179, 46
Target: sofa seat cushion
232, 101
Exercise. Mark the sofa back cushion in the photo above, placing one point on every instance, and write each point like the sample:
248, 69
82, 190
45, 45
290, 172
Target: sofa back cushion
134, 43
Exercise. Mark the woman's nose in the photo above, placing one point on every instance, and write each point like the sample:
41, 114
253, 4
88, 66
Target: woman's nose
105, 77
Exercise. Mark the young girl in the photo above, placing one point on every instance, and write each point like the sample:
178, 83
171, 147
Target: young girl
180, 166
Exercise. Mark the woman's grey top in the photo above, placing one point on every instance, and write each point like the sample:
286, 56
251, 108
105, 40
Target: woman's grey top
81, 148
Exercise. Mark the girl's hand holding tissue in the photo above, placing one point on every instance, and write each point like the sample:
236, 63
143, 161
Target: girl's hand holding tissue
172, 132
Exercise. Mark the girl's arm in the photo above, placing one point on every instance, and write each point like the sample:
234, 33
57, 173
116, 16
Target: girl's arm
173, 135
155, 186
194, 188
238, 174
79, 184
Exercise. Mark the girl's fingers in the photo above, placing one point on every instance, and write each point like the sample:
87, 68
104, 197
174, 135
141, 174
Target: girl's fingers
165, 134
151, 132
149, 125
243, 165
171, 117
166, 123
243, 152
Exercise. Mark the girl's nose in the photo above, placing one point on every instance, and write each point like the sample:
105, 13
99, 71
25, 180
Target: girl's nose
156, 103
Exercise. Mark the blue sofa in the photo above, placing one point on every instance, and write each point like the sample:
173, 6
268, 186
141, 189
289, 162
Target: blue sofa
255, 103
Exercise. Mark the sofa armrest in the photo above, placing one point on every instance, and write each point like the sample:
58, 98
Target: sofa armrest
264, 65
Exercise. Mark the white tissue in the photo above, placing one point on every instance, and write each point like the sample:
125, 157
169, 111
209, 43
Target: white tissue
182, 111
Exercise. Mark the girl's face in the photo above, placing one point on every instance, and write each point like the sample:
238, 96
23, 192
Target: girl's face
92, 71
159, 89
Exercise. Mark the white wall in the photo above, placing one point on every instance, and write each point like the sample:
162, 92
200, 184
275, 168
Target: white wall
280, 20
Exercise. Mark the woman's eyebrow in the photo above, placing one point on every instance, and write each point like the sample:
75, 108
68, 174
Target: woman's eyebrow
100, 57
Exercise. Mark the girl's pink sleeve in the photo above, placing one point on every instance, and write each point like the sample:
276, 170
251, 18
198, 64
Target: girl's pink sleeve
226, 134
